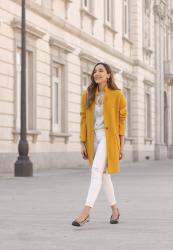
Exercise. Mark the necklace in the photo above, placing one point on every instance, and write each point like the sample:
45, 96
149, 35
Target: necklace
100, 98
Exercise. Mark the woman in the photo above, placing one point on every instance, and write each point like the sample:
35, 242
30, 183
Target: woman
103, 114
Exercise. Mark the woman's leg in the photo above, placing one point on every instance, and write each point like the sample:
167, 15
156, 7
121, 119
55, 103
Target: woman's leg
99, 162
109, 191
98, 166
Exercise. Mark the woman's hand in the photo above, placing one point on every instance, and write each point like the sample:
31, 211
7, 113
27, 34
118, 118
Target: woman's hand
84, 151
121, 153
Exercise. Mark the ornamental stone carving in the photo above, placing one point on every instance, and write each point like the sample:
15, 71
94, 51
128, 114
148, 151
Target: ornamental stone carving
160, 10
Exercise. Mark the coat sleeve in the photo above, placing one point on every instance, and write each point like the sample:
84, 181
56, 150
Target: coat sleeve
122, 114
83, 131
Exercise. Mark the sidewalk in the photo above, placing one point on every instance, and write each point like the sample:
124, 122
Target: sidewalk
36, 213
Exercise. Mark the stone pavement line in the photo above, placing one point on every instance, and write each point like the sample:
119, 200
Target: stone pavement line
36, 213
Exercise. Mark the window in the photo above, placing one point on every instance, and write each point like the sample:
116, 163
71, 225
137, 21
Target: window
59, 51
87, 65
167, 44
88, 10
126, 18
108, 11
127, 93
45, 3
85, 81
29, 90
56, 96
86, 4
147, 24
147, 115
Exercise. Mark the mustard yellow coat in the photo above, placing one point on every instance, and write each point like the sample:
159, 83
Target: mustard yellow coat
115, 112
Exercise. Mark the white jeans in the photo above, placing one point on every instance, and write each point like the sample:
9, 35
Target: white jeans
99, 174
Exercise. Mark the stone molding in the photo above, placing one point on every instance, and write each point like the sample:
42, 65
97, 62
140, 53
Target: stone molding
148, 140
89, 14
144, 66
93, 18
129, 139
54, 135
129, 76
108, 27
30, 29
126, 39
147, 51
159, 11
86, 56
57, 42
33, 133
148, 82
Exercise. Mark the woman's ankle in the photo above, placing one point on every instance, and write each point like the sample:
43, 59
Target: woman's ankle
114, 207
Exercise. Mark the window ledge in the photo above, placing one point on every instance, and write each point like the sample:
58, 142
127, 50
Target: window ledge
87, 13
108, 27
33, 133
148, 51
148, 139
129, 139
68, 1
126, 39
54, 135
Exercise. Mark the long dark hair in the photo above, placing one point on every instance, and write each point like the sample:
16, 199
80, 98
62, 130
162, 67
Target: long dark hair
93, 85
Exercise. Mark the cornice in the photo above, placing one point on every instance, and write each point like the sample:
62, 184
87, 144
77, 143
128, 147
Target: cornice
46, 13
85, 56
148, 82
30, 29
144, 66
59, 43
129, 76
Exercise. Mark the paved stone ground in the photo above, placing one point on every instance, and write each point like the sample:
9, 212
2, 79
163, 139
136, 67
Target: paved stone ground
36, 212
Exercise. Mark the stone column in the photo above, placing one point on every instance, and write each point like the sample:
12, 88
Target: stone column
160, 149
170, 138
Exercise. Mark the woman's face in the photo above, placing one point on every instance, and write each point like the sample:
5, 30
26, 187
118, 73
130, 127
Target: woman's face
100, 74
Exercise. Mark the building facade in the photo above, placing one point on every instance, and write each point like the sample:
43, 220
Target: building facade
65, 38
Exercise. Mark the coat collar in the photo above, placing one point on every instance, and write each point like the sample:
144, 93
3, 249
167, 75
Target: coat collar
105, 89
